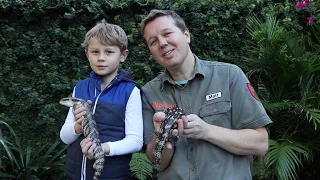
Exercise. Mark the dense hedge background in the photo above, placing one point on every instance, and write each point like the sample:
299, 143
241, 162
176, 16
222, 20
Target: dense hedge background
41, 57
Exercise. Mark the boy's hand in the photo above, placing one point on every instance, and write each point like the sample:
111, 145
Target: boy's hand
87, 147
79, 112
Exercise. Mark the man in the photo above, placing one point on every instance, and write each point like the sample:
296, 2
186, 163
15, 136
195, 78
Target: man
225, 121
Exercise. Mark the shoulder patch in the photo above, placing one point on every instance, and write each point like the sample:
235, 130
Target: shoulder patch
252, 91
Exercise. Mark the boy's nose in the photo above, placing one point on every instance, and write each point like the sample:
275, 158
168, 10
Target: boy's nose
101, 57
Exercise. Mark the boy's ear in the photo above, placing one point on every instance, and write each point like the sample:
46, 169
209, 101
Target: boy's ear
124, 55
86, 52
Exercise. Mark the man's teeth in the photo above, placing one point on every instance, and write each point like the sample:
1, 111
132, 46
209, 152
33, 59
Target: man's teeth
168, 53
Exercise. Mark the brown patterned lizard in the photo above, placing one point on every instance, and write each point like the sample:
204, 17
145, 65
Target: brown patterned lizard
164, 135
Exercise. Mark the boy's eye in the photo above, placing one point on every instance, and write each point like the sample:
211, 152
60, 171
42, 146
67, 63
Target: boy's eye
109, 52
94, 52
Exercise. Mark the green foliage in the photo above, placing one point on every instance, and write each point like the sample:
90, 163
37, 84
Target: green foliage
286, 156
41, 58
284, 72
24, 162
140, 166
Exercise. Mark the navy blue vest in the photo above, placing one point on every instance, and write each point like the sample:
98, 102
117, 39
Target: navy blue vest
110, 118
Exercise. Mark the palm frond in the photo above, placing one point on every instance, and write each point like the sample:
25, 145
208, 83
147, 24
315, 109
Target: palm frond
286, 157
8, 146
313, 115
274, 107
24, 162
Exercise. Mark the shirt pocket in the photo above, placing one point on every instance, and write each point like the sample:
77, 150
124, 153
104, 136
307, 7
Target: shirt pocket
217, 113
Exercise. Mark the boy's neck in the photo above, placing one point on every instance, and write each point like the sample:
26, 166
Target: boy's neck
107, 79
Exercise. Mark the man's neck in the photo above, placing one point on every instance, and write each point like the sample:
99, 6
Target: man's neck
184, 72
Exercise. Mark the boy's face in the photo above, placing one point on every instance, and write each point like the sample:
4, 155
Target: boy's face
166, 42
104, 60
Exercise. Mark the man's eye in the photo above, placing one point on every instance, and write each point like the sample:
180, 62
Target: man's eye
167, 33
152, 43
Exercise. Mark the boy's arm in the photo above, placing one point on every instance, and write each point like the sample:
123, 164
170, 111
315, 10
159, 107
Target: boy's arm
72, 128
133, 140
69, 131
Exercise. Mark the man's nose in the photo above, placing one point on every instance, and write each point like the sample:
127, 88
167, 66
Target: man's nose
163, 42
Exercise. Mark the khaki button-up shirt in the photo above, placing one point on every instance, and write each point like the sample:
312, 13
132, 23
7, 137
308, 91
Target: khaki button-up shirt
220, 94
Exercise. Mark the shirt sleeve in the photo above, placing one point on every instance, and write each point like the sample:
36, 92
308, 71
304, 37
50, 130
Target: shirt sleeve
247, 110
133, 140
148, 112
67, 132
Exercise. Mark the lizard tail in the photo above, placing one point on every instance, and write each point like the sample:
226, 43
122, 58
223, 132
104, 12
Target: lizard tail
99, 161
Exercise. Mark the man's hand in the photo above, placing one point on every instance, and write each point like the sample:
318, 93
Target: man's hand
159, 117
192, 126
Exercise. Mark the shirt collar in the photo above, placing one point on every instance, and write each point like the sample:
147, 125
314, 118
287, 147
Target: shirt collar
198, 70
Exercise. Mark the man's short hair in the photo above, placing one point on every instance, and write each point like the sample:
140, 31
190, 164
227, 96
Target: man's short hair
155, 13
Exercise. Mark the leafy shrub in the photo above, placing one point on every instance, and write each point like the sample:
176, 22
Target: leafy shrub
24, 162
140, 166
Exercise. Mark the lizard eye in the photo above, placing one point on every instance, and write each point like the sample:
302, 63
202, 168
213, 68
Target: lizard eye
175, 126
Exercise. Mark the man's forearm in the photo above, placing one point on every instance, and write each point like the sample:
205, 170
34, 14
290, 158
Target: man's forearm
165, 157
240, 142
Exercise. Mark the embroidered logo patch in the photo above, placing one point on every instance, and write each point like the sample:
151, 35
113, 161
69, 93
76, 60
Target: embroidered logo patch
159, 105
252, 91
213, 96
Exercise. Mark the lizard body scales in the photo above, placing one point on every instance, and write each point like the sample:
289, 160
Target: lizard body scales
89, 130
164, 135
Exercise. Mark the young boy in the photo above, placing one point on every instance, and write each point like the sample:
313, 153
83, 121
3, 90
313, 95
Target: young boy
117, 109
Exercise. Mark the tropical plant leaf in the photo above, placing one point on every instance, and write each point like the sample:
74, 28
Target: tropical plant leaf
32, 165
4, 175
140, 166
286, 157
313, 115
274, 107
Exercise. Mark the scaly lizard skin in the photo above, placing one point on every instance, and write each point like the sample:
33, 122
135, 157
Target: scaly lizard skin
89, 130
164, 135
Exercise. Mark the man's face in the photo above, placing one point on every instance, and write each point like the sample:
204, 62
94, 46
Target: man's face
166, 42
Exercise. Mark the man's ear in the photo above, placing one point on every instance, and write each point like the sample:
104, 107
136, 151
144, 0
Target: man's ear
124, 55
187, 35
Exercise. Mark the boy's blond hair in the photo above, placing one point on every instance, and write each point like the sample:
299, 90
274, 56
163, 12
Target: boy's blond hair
107, 34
